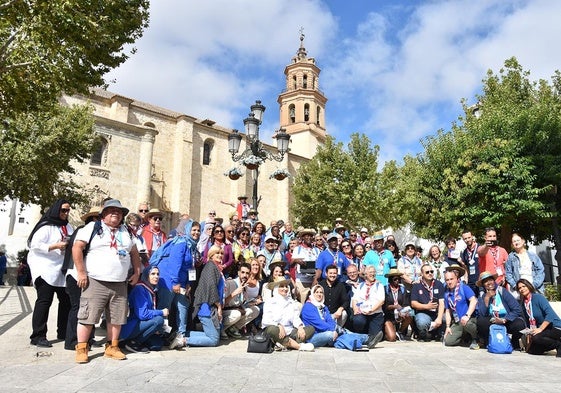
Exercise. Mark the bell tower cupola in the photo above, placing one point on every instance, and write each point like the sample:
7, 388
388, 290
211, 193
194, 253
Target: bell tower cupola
302, 104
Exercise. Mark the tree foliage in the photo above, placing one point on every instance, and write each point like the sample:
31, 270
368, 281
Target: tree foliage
49, 47
36, 149
341, 182
497, 169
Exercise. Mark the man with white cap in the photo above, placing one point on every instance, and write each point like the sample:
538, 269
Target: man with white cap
330, 256
271, 253
304, 258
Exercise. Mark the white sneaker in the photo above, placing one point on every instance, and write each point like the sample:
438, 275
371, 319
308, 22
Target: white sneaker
178, 342
307, 347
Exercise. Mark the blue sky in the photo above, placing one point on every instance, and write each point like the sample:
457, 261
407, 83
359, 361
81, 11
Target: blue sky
394, 70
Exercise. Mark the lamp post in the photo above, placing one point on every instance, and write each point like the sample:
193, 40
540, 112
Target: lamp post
256, 154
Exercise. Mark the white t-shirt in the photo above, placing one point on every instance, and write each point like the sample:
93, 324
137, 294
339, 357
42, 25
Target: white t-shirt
108, 258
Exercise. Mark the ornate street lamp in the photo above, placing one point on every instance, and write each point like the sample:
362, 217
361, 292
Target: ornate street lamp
256, 154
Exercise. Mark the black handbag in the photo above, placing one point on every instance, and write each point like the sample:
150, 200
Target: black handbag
260, 342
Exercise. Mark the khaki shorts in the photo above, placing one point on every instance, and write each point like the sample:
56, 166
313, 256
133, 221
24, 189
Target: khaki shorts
100, 296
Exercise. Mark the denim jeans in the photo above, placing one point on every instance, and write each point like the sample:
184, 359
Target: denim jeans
143, 330
422, 321
369, 324
180, 303
209, 337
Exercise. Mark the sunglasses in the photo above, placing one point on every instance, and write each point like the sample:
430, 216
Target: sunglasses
143, 210
65, 210
345, 245
409, 248
212, 214
229, 231
157, 218
219, 231
429, 271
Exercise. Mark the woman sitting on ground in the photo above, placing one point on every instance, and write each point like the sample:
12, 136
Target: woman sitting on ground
145, 324
253, 289
317, 315
497, 306
281, 319
544, 323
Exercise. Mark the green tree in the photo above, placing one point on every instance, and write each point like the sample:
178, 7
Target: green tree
497, 169
340, 182
36, 149
49, 47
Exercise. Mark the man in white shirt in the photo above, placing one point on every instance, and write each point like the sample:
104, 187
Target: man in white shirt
102, 275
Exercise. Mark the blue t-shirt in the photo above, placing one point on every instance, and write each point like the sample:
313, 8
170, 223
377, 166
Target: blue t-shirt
426, 294
328, 257
457, 299
382, 262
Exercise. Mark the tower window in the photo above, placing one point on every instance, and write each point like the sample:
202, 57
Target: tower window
207, 150
295, 86
318, 111
292, 112
305, 81
100, 148
306, 112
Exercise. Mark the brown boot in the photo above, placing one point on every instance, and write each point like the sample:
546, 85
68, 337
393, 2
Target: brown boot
82, 353
113, 351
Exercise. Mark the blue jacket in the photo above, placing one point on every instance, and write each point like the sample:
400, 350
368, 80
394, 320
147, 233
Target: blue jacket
311, 316
175, 268
510, 304
512, 267
141, 306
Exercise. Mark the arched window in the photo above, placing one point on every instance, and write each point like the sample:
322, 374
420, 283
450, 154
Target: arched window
318, 111
99, 151
305, 81
306, 112
207, 150
292, 113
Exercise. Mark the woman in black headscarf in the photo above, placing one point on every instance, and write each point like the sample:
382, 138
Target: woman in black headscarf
47, 244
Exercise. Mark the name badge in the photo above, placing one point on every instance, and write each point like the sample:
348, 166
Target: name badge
192, 275
499, 271
435, 291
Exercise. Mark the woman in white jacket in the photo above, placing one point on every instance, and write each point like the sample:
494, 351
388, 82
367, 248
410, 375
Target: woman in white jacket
281, 319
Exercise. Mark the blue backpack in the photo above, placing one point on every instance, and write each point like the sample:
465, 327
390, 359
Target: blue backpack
350, 341
499, 342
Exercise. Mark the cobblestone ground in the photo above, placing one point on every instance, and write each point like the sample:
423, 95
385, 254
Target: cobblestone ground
391, 367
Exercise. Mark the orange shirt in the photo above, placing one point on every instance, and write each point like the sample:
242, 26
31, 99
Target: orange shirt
494, 262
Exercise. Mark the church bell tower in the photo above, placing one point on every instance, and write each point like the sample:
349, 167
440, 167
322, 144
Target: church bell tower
302, 104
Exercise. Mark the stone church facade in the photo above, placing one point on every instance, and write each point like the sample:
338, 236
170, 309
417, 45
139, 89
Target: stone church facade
177, 162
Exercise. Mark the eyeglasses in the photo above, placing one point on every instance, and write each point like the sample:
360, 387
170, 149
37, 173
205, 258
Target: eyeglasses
65, 210
429, 271
212, 214
409, 248
244, 234
157, 218
219, 231
143, 210
229, 231
345, 245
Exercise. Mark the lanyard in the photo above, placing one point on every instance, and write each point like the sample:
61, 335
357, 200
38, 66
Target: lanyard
452, 301
64, 232
113, 243
368, 287
495, 253
530, 311
429, 289
395, 295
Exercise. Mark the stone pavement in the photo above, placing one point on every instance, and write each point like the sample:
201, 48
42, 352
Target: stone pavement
391, 367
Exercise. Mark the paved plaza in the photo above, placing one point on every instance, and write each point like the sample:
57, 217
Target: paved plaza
391, 367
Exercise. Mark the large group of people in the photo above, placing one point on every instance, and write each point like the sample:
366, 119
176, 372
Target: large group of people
209, 281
